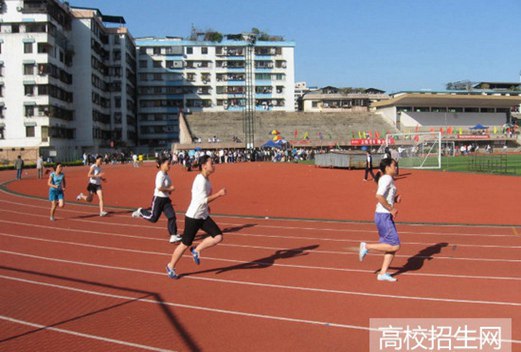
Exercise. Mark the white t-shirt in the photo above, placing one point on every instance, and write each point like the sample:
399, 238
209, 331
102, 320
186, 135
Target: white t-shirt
95, 170
201, 189
387, 189
162, 180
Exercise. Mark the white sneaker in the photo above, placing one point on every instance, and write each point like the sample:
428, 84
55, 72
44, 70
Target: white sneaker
79, 196
51, 218
386, 277
137, 213
103, 213
175, 238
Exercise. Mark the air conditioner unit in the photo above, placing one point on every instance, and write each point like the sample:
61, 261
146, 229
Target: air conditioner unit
19, 8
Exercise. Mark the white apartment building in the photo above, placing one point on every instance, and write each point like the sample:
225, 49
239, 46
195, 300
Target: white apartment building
183, 75
301, 88
61, 73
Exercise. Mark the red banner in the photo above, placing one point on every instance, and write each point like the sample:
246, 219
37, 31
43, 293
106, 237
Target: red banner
368, 141
473, 136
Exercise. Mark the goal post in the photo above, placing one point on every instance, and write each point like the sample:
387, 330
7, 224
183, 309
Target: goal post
418, 150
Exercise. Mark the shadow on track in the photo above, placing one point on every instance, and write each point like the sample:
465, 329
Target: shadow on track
183, 333
416, 262
261, 263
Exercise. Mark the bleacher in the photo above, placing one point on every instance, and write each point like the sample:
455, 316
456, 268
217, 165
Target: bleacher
454, 119
333, 127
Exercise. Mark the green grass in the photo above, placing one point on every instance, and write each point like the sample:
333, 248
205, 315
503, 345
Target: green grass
508, 164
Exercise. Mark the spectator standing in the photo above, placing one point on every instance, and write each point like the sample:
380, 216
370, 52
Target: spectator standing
19, 165
39, 167
368, 165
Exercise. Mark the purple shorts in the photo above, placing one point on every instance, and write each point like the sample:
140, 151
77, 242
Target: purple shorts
386, 229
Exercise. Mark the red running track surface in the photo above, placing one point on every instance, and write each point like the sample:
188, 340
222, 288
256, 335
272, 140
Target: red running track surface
289, 282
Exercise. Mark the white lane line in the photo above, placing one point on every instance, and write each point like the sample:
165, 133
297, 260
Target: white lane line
239, 262
372, 231
80, 334
276, 286
350, 253
354, 241
187, 306
314, 251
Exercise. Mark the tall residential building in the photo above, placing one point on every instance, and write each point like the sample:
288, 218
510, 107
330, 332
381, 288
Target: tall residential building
67, 81
183, 75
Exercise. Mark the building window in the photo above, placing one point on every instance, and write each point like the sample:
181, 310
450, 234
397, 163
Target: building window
204, 50
29, 90
45, 133
28, 48
29, 111
28, 69
117, 102
189, 50
157, 51
314, 104
29, 131
2, 131
143, 64
157, 64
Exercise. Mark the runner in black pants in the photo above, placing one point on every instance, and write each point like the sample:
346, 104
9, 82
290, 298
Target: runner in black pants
161, 202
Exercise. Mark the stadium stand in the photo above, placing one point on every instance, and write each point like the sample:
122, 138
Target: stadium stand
338, 127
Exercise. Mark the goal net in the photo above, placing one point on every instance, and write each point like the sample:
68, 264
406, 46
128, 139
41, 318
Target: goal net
419, 150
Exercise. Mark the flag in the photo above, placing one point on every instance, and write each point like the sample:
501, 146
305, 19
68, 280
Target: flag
295, 133
359, 134
365, 135
441, 130
460, 130
495, 129
376, 134
369, 134
306, 135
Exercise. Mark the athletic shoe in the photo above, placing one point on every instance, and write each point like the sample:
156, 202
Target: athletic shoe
103, 213
79, 196
362, 252
175, 238
171, 273
51, 218
386, 277
137, 213
195, 255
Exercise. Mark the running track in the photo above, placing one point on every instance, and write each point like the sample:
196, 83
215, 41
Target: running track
98, 284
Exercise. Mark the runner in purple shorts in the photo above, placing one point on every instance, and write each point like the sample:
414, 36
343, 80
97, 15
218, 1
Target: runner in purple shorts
384, 219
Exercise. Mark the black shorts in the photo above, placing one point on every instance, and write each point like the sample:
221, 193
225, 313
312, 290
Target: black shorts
193, 225
93, 188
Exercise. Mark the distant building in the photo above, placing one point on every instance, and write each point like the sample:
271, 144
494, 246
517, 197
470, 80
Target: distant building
301, 88
333, 99
191, 75
67, 82
423, 109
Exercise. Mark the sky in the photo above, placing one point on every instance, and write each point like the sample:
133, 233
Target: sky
393, 45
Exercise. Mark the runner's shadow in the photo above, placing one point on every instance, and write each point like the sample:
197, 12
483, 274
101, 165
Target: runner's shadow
416, 261
238, 228
262, 262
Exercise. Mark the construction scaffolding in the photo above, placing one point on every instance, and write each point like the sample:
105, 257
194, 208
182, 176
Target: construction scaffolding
249, 106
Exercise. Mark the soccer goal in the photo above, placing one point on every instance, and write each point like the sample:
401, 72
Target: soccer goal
419, 150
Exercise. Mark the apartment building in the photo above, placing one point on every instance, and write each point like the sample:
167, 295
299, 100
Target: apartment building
67, 82
189, 75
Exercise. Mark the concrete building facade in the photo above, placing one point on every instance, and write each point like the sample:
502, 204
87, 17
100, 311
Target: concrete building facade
183, 75
57, 80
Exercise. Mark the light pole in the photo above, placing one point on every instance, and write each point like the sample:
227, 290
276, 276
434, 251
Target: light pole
249, 108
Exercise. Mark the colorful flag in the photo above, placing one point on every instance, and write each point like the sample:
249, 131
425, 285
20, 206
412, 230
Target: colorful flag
295, 133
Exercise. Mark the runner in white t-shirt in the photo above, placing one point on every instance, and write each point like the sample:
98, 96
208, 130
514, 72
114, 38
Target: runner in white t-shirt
95, 175
385, 213
161, 202
197, 217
